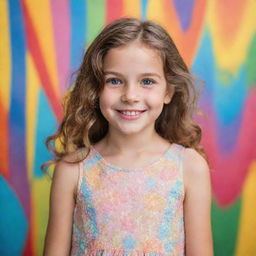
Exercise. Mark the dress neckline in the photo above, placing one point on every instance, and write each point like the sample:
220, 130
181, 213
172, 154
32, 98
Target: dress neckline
113, 167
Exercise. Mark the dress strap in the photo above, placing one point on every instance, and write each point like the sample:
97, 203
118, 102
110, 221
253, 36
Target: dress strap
80, 176
181, 159
80, 172
181, 166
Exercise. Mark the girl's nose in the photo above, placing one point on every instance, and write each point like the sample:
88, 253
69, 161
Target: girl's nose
130, 94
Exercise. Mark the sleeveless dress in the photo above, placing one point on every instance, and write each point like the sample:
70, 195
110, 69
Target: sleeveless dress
121, 211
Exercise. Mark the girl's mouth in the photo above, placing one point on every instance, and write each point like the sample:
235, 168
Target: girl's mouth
130, 114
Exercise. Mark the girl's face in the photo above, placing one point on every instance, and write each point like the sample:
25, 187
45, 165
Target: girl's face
135, 89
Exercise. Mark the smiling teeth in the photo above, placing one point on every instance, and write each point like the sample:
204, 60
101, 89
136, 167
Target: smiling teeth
130, 113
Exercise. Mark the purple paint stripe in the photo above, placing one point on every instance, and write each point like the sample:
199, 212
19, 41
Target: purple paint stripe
61, 28
17, 118
184, 10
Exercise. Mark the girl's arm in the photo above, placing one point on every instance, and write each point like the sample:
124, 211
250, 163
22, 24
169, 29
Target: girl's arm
62, 200
197, 205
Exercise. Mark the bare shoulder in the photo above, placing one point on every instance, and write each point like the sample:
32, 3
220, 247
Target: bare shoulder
197, 204
195, 168
62, 203
66, 172
195, 161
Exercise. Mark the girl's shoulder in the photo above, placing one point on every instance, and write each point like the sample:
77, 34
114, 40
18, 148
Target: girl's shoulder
66, 171
193, 158
195, 167
194, 163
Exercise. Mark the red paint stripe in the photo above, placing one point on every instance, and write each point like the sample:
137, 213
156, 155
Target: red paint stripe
4, 144
37, 55
28, 245
114, 10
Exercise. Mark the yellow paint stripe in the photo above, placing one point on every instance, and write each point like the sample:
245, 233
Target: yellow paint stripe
131, 8
40, 209
33, 87
231, 56
247, 236
5, 60
156, 11
40, 13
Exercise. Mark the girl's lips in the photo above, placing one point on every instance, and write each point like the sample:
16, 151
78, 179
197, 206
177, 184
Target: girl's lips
130, 117
130, 110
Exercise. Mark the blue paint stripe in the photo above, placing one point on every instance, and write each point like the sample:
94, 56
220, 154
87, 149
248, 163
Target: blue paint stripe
143, 10
46, 125
230, 95
17, 124
204, 65
226, 93
13, 222
78, 27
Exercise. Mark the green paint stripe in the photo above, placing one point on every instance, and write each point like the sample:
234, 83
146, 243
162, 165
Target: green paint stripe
251, 63
225, 224
95, 18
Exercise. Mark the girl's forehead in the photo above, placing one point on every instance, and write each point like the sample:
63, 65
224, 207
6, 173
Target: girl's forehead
134, 55
135, 46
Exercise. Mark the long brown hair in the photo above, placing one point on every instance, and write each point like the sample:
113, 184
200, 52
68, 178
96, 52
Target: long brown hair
83, 124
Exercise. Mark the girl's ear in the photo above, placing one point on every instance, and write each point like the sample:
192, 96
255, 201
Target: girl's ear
168, 95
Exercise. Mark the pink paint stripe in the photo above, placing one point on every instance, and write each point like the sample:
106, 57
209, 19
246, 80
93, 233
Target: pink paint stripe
61, 28
114, 10
230, 169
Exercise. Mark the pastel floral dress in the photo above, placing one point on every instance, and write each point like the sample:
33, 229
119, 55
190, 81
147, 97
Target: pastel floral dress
130, 212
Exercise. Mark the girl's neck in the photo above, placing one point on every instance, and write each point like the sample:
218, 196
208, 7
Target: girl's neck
132, 143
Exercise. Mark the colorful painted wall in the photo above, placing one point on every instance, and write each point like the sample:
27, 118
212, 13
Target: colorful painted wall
42, 43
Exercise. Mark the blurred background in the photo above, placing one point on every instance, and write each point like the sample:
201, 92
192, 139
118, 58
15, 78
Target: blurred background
42, 44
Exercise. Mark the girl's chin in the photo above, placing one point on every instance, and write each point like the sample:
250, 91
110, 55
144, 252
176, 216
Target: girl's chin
129, 131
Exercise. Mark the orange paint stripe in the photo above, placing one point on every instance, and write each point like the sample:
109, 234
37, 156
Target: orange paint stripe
192, 35
36, 53
229, 26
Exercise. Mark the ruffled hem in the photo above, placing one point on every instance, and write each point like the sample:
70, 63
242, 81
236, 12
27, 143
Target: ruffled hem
121, 252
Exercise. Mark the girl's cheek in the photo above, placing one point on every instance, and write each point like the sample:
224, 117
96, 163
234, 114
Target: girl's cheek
154, 98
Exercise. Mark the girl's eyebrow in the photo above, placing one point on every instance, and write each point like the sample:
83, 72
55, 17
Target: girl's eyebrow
142, 74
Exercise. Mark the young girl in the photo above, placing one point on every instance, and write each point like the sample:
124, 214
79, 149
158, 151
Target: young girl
130, 175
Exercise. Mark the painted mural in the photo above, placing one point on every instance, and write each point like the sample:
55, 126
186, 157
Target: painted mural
41, 46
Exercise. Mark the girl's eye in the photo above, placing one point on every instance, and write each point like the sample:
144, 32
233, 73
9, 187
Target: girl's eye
148, 82
114, 81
